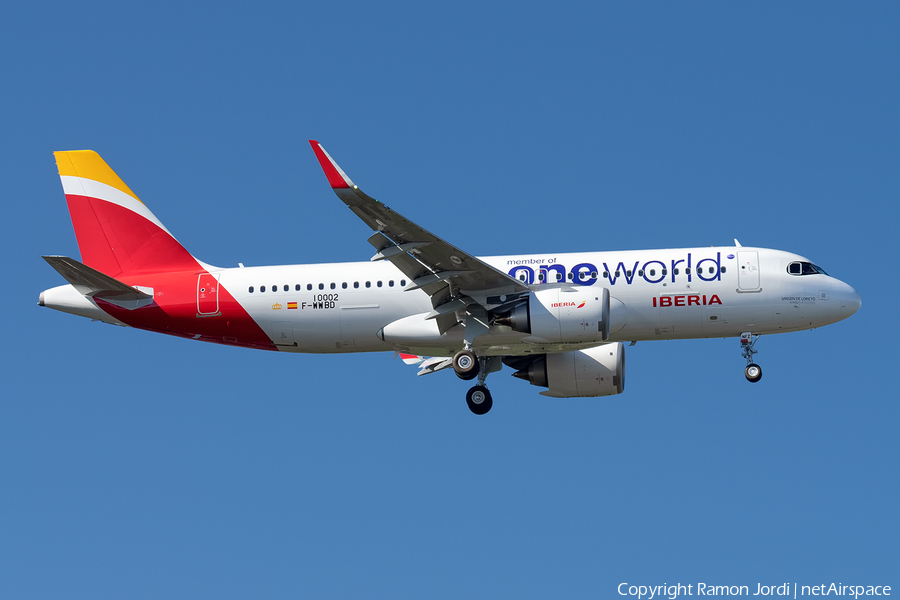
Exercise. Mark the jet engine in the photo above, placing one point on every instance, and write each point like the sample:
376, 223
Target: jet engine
596, 371
562, 315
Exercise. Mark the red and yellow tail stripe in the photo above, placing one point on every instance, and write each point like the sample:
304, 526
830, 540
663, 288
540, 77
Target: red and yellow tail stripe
117, 234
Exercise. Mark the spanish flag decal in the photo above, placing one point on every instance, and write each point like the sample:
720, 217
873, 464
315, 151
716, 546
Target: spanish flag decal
292, 305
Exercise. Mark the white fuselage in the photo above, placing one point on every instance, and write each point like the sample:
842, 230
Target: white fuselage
655, 295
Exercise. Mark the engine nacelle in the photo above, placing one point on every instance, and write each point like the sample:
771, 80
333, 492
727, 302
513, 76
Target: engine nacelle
596, 371
562, 315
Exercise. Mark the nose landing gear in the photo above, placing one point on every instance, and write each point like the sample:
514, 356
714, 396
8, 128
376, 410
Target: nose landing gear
753, 372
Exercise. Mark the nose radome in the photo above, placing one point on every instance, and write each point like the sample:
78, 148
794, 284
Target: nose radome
850, 302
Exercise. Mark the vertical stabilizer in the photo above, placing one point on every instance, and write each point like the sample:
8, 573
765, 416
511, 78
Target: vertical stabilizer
117, 235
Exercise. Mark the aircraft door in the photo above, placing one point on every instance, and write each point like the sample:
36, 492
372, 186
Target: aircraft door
748, 270
207, 295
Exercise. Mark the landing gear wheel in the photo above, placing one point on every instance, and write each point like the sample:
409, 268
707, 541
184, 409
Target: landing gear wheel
753, 373
465, 363
479, 400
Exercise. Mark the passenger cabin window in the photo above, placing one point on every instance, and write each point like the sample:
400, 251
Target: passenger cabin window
332, 286
309, 286
675, 271
379, 284
344, 285
321, 286
251, 289
391, 283
287, 287
297, 287
262, 288
403, 282
355, 284
368, 284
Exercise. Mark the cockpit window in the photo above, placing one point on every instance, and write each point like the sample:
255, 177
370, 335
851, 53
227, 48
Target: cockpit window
805, 268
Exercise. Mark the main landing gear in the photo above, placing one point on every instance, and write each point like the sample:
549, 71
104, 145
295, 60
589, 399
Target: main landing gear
753, 372
467, 367
465, 363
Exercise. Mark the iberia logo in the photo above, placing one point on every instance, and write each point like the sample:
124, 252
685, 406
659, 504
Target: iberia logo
276, 306
581, 305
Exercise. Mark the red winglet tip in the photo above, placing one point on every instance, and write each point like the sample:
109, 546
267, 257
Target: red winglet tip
335, 178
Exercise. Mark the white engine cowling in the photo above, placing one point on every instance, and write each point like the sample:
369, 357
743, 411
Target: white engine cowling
563, 315
596, 371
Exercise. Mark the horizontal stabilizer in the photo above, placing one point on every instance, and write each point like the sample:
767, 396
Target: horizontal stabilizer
411, 359
427, 365
91, 282
433, 365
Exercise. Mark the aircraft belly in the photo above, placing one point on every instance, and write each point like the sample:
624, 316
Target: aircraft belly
683, 314
317, 329
640, 318
360, 323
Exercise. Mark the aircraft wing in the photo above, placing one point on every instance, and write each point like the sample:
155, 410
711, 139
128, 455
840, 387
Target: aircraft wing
453, 278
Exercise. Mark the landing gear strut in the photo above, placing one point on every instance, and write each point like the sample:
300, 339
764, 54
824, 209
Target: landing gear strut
468, 366
753, 372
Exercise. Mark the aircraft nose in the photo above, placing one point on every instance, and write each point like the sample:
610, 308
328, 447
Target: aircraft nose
850, 302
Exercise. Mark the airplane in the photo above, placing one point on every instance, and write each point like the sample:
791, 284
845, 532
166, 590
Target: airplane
559, 320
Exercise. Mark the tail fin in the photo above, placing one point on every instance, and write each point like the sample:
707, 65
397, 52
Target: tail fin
116, 233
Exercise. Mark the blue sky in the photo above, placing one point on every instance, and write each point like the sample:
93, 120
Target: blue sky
140, 466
